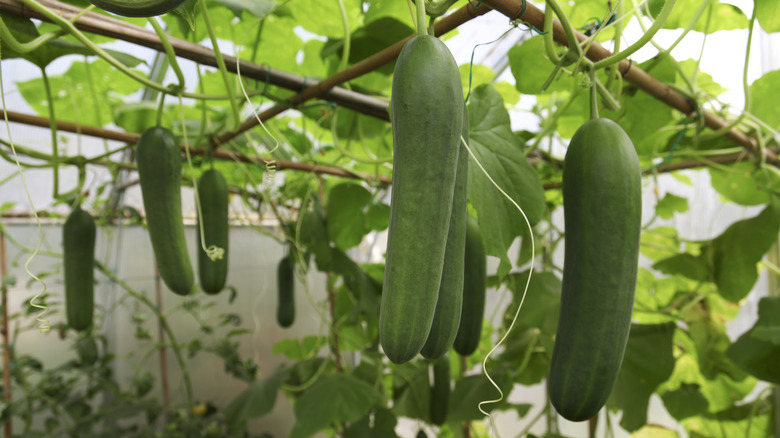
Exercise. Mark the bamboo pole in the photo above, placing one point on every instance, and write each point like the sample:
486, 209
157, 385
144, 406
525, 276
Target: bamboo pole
108, 26
132, 138
630, 72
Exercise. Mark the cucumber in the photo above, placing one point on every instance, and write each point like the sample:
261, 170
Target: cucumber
474, 286
285, 281
427, 117
159, 173
213, 192
602, 205
446, 318
78, 242
440, 391
138, 8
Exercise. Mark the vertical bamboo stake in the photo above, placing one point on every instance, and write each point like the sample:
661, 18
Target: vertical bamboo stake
774, 291
6, 344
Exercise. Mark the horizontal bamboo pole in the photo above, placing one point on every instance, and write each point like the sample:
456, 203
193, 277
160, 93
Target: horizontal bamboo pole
108, 26
132, 138
630, 72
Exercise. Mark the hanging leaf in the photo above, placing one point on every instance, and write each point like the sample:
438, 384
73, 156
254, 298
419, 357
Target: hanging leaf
255, 401
346, 223
333, 399
758, 350
648, 361
497, 149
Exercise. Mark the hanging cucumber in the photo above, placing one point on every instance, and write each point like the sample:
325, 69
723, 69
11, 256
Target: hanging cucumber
602, 204
447, 316
78, 242
285, 281
440, 391
159, 173
213, 193
474, 286
427, 117
138, 8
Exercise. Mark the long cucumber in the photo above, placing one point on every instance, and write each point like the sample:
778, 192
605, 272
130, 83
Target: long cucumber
602, 204
159, 173
427, 117
446, 318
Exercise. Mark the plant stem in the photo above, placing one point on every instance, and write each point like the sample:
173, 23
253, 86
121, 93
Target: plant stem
185, 374
594, 95
6, 343
422, 29
220, 63
646, 37
161, 339
55, 153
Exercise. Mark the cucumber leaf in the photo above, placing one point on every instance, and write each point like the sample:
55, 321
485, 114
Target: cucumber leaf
499, 152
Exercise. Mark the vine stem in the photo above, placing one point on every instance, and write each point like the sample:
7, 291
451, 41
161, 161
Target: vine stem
6, 343
220, 62
422, 29
161, 337
185, 374
646, 37
55, 153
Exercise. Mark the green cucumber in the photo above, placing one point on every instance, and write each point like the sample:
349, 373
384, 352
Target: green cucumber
474, 286
285, 282
602, 205
159, 173
213, 193
427, 117
446, 318
440, 391
138, 8
78, 243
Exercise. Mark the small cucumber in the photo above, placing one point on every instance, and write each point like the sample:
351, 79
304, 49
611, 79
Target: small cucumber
213, 192
138, 8
446, 318
474, 286
78, 242
285, 278
159, 173
440, 391
427, 117
602, 206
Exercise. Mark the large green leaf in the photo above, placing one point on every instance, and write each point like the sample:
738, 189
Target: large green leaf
333, 399
741, 183
255, 401
764, 93
768, 14
736, 252
685, 401
671, 204
648, 361
470, 391
724, 16
411, 390
324, 18
379, 425
499, 152
346, 224
72, 93
531, 68
758, 350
